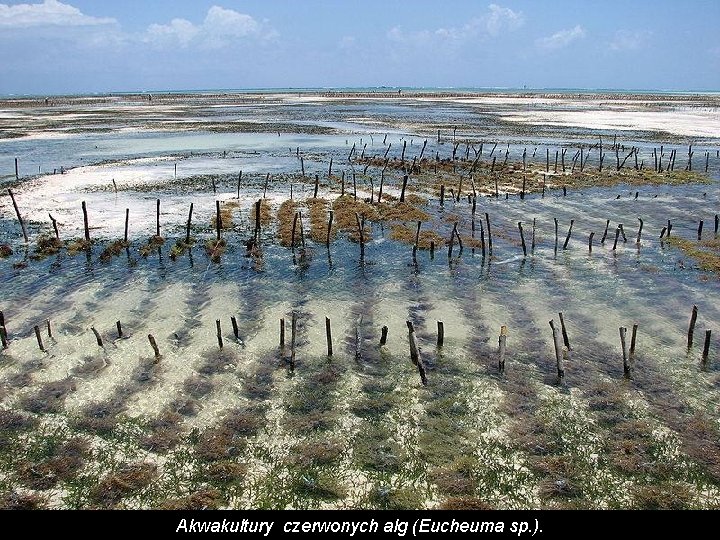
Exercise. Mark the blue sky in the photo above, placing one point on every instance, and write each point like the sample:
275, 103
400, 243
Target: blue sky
71, 46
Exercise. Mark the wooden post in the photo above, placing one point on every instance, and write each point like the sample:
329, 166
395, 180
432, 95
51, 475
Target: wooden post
119, 329
257, 218
717, 222
17, 211
622, 232
361, 231
238, 184
55, 226
317, 184
590, 241
292, 234
487, 220
522, 193
3, 337
39, 338
532, 239
558, 351
706, 347
219, 333
566, 341
293, 334
328, 336
98, 338
440, 333
218, 219
604, 236
567, 238
402, 157
236, 331
522, 239
329, 229
267, 179
282, 335
700, 228
556, 234
330, 169
502, 343
49, 328
415, 352
404, 185
154, 345
691, 329
17, 170
633, 341
626, 356
617, 235
669, 228
127, 223
354, 187
639, 231
382, 181
189, 221
383, 336
442, 195
85, 221
302, 166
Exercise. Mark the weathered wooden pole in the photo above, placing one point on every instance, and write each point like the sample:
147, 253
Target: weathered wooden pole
219, 333
49, 328
522, 239
633, 342
487, 220
590, 241
39, 338
691, 328
154, 345
502, 344
415, 352
236, 330
617, 235
98, 337
625, 355
267, 179
361, 232
556, 234
218, 219
717, 222
440, 333
282, 335
302, 166
17, 170
566, 341
189, 221
404, 185
85, 221
329, 229
706, 347
558, 351
317, 184
639, 231
532, 239
55, 226
238, 184
4, 337
292, 233
700, 228
17, 212
328, 336
522, 193
383, 335
293, 335
119, 329
669, 228
442, 194
567, 238
604, 236
127, 224
622, 232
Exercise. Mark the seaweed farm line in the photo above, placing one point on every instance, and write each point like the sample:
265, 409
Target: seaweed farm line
342, 301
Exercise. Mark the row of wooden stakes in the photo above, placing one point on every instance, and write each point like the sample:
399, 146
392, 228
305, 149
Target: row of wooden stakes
561, 342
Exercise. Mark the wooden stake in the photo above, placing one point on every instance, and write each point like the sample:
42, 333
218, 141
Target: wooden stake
626, 356
85, 221
267, 179
622, 232
522, 239
157, 227
292, 234
218, 219
404, 185
691, 329
567, 238
558, 351
329, 229
127, 223
617, 235
238, 184
49, 328
3, 337
383, 336
189, 221
154, 345
55, 226
415, 352
717, 222
17, 210
119, 329
293, 334
604, 236
566, 341
39, 338
590, 241
532, 239
502, 343
328, 336
706, 347
441, 333
17, 170
282, 335
98, 338
219, 333
236, 331
556, 234
633, 341
487, 219
317, 184
700, 228
639, 231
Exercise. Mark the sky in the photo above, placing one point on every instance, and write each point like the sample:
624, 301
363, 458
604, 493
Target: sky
86, 46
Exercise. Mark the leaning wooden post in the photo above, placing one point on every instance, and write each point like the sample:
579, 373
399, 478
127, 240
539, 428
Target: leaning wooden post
154, 345
328, 336
157, 224
691, 329
522, 239
85, 221
383, 336
404, 185
39, 338
49, 328
98, 338
17, 212
329, 229
566, 341
127, 224
236, 330
55, 226
617, 235
706, 347
189, 221
219, 333
218, 219
626, 356
604, 236
415, 352
590, 241
487, 220
633, 341
558, 350
567, 238
440, 333
502, 343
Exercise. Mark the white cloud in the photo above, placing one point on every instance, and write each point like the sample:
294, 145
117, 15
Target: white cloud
49, 13
221, 27
561, 39
629, 40
490, 24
